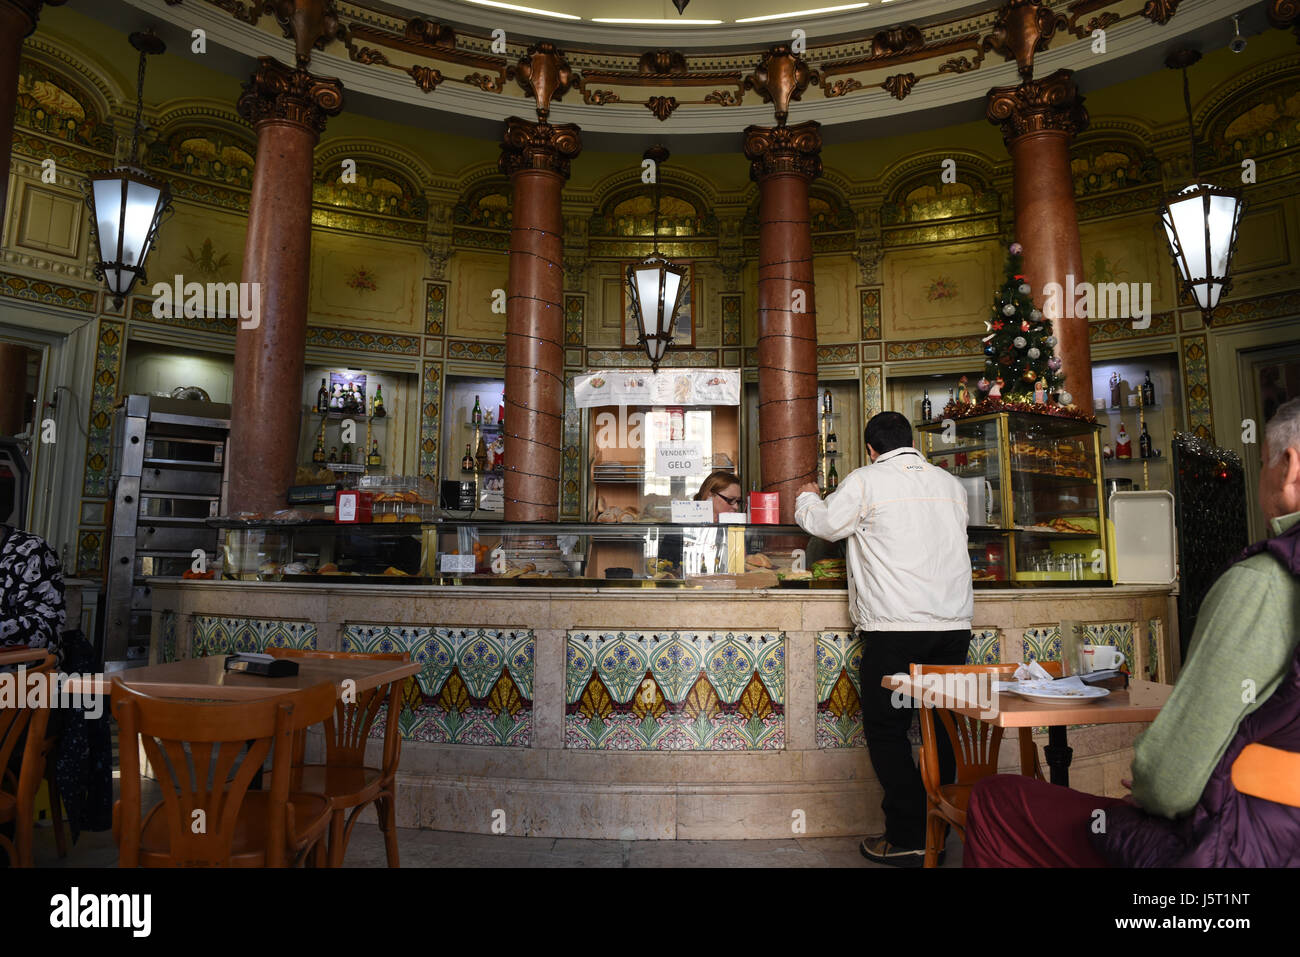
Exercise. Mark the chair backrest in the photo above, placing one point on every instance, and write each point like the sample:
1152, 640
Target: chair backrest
975, 743
30, 715
1267, 772
206, 755
348, 729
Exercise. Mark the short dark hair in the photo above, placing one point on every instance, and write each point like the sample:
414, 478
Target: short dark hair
887, 431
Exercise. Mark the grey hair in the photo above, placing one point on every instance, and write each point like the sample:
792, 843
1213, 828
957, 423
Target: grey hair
1283, 431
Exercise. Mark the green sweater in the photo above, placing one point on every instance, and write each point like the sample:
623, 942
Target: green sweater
1245, 639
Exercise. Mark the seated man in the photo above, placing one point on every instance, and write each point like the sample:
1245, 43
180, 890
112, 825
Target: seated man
1241, 682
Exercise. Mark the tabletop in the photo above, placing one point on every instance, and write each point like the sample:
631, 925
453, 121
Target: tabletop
1014, 711
207, 678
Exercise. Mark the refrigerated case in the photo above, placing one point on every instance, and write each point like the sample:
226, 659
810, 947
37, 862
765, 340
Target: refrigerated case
1034, 492
169, 459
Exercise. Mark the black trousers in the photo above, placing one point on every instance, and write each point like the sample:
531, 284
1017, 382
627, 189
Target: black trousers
886, 653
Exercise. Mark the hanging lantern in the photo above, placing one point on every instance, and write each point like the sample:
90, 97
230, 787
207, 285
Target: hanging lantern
126, 204
656, 286
1201, 220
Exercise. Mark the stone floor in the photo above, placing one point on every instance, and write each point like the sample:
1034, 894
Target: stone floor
447, 849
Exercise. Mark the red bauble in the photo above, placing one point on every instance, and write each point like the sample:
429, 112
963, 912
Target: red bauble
1024, 326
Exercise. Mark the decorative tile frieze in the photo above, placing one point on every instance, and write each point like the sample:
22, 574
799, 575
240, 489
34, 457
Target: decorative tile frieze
435, 308
218, 635
430, 403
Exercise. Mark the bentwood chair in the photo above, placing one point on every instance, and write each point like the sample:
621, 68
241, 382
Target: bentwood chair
25, 725
345, 778
1270, 773
206, 756
975, 747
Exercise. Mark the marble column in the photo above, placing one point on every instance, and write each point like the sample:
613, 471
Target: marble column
13, 388
783, 161
1039, 118
536, 158
288, 109
17, 22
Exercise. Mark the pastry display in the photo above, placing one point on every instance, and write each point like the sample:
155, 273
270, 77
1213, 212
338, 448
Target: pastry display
758, 560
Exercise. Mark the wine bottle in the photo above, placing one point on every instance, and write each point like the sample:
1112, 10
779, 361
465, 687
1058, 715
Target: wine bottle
322, 399
926, 409
832, 443
373, 459
347, 454
476, 416
827, 403
1144, 441
467, 462
318, 455
832, 479
379, 411
1148, 391
334, 454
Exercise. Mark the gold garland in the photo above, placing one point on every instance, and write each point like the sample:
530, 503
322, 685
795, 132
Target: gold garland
962, 410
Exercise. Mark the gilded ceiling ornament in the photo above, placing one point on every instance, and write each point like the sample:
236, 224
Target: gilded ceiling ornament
1052, 103
310, 24
900, 84
278, 92
1021, 29
1160, 11
897, 40
661, 61
426, 31
599, 97
426, 78
725, 97
1285, 13
780, 77
366, 55
543, 73
488, 84
662, 106
840, 87
958, 64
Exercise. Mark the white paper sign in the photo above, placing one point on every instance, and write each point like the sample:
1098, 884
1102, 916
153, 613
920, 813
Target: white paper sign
691, 512
669, 387
679, 458
348, 508
458, 564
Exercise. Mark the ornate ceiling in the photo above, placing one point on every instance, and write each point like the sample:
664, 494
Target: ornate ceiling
884, 68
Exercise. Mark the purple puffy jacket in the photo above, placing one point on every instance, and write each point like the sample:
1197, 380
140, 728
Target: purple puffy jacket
1226, 828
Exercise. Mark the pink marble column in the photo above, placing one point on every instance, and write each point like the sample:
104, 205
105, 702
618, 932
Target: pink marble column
17, 22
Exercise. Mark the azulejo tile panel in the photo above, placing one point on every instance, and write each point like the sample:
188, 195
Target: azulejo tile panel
839, 682
570, 467
430, 400
574, 309
675, 691
475, 685
869, 312
731, 305
103, 396
1196, 380
435, 308
217, 635
1044, 644
167, 637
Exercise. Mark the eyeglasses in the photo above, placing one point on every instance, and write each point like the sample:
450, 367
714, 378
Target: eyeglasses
733, 502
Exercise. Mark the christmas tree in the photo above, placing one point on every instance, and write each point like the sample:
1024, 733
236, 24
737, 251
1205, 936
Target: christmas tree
1021, 363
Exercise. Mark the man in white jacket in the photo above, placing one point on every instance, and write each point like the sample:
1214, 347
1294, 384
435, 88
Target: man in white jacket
910, 598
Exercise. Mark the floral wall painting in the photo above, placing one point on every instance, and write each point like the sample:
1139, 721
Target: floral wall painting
941, 287
206, 262
683, 332
362, 279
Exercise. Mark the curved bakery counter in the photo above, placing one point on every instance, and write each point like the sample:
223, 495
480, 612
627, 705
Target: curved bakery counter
642, 713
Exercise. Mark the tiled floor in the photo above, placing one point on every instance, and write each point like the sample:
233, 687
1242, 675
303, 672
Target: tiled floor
447, 849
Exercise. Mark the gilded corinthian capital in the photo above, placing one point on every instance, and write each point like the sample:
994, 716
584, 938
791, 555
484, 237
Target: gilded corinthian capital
1285, 14
1052, 103
784, 149
528, 145
278, 92
310, 24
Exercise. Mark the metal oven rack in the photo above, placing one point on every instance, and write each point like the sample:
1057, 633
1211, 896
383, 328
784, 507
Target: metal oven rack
169, 460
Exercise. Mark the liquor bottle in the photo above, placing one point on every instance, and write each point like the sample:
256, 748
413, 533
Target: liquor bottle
827, 404
476, 416
379, 410
346, 458
467, 462
1114, 390
926, 409
1123, 446
374, 459
322, 398
480, 455
334, 454
1148, 391
1144, 441
832, 443
318, 456
832, 479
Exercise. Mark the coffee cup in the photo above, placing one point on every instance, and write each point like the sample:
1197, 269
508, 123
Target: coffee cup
1100, 658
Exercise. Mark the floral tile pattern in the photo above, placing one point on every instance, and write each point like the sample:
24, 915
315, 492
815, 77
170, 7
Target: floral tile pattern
869, 312
1042, 644
871, 395
570, 467
1154, 626
435, 308
731, 319
574, 309
167, 637
839, 690
675, 691
1196, 380
216, 635
103, 396
475, 686
430, 402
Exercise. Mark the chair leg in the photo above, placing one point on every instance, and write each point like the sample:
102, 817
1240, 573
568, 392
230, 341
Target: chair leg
337, 845
935, 828
386, 807
56, 810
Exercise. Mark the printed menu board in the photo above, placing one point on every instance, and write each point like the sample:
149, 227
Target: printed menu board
670, 387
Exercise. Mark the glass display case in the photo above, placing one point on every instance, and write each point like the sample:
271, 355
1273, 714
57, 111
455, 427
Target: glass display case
1033, 488
563, 554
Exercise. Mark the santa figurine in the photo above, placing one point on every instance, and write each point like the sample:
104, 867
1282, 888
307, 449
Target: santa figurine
995, 390
963, 393
1040, 393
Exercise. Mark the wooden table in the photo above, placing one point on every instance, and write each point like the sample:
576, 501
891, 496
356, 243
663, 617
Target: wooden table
1017, 712
206, 678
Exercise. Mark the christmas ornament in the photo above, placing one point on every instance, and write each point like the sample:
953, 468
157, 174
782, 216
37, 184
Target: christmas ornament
1019, 342
1024, 326
1035, 314
1024, 289
1034, 353
1009, 309
1040, 393
1054, 363
1051, 340
1015, 249
1029, 375
997, 326
982, 385
995, 391
1067, 399
989, 350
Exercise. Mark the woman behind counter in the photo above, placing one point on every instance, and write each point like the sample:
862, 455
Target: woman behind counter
723, 489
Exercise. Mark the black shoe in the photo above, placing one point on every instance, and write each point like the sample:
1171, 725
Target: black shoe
879, 850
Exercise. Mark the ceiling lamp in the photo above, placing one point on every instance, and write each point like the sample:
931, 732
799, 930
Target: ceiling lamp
681, 6
656, 286
1201, 220
126, 205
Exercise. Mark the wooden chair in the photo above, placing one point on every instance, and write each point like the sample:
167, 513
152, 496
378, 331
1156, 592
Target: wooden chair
207, 783
975, 746
1270, 773
345, 778
25, 725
